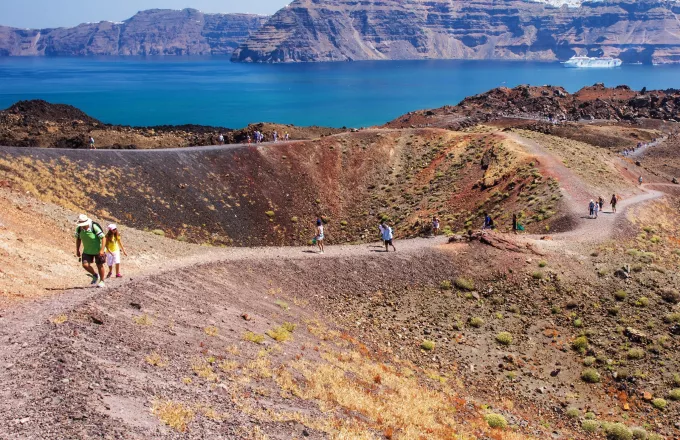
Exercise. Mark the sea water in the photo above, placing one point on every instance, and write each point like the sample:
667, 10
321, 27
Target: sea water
214, 91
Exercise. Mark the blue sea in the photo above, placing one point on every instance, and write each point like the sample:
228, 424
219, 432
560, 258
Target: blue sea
215, 91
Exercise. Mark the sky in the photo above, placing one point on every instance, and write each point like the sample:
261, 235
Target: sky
67, 13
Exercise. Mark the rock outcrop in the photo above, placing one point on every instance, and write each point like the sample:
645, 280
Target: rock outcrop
152, 32
646, 31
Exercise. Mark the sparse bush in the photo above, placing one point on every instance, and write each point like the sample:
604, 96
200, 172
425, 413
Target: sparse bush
284, 305
211, 330
642, 301
156, 360
590, 375
580, 344
476, 322
445, 285
464, 284
672, 318
289, 326
574, 413
654, 437
670, 295
620, 295
542, 263
636, 353
143, 320
427, 345
174, 414
659, 403
617, 431
294, 219
59, 319
343, 223
589, 361
253, 337
496, 421
537, 275
269, 214
639, 433
590, 426
279, 334
504, 338
158, 232
578, 323
589, 416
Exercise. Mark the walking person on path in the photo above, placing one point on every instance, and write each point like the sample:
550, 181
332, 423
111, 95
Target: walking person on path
640, 180
114, 245
435, 226
381, 229
388, 237
597, 209
613, 201
600, 201
92, 237
92, 147
319, 234
220, 139
591, 209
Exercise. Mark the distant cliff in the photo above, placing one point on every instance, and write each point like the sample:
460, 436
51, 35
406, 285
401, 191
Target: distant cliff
152, 32
645, 31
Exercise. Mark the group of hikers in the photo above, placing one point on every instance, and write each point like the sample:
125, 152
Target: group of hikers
594, 207
260, 137
99, 249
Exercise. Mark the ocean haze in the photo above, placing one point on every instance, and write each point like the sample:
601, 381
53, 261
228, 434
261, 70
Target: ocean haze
40, 14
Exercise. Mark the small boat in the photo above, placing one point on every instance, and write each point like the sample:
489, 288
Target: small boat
592, 62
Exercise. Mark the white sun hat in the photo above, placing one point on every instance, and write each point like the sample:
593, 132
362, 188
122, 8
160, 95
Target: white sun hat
112, 227
83, 220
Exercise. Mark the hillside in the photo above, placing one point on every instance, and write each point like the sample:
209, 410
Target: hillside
151, 32
568, 330
324, 30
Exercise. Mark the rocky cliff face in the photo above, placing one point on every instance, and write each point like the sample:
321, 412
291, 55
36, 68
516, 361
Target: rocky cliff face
153, 32
645, 31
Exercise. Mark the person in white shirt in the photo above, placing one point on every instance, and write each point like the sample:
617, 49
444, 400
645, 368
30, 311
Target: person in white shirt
387, 237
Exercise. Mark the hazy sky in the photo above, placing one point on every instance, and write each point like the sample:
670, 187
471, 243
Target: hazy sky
58, 13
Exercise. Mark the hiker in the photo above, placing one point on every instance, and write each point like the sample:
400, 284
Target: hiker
286, 136
640, 180
591, 209
388, 237
91, 235
381, 229
488, 222
613, 202
92, 147
114, 245
597, 209
514, 223
249, 140
600, 201
319, 234
276, 136
220, 139
435, 226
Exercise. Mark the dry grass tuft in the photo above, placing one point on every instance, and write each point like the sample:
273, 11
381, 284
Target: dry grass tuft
211, 330
143, 320
59, 319
253, 337
204, 369
156, 360
280, 334
174, 414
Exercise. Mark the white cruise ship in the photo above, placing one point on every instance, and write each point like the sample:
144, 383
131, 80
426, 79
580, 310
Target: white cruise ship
592, 62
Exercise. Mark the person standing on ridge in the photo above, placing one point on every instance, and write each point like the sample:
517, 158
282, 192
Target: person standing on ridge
591, 209
597, 209
435, 226
640, 180
92, 147
319, 234
220, 139
91, 235
388, 237
613, 201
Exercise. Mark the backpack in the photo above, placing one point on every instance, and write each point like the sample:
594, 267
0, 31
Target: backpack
94, 223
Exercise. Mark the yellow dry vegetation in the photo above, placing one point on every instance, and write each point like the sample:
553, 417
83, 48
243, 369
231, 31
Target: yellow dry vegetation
143, 320
211, 330
156, 360
174, 414
204, 369
59, 319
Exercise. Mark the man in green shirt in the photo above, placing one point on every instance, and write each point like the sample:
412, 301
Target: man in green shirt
92, 237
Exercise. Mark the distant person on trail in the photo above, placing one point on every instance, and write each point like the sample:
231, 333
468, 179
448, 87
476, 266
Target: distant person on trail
640, 180
286, 137
91, 235
319, 234
514, 223
435, 226
597, 209
488, 222
600, 201
381, 229
92, 147
248, 137
114, 245
276, 136
591, 209
220, 139
388, 237
613, 201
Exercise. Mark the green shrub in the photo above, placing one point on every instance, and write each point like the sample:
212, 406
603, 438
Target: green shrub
343, 223
158, 232
294, 219
476, 322
617, 431
496, 421
620, 295
464, 284
537, 275
578, 323
588, 361
504, 338
580, 344
269, 214
639, 433
589, 416
590, 375
590, 425
676, 379
642, 302
427, 345
574, 413
659, 403
542, 263
654, 437
672, 318
636, 353
445, 285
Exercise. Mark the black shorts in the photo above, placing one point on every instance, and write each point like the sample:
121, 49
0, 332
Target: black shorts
388, 242
99, 260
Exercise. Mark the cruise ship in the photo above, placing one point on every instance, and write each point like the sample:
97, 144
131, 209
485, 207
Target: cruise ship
592, 62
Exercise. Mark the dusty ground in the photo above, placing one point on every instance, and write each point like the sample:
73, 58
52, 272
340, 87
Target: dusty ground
282, 342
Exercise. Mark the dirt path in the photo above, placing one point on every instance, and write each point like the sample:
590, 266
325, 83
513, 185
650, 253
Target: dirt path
638, 152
